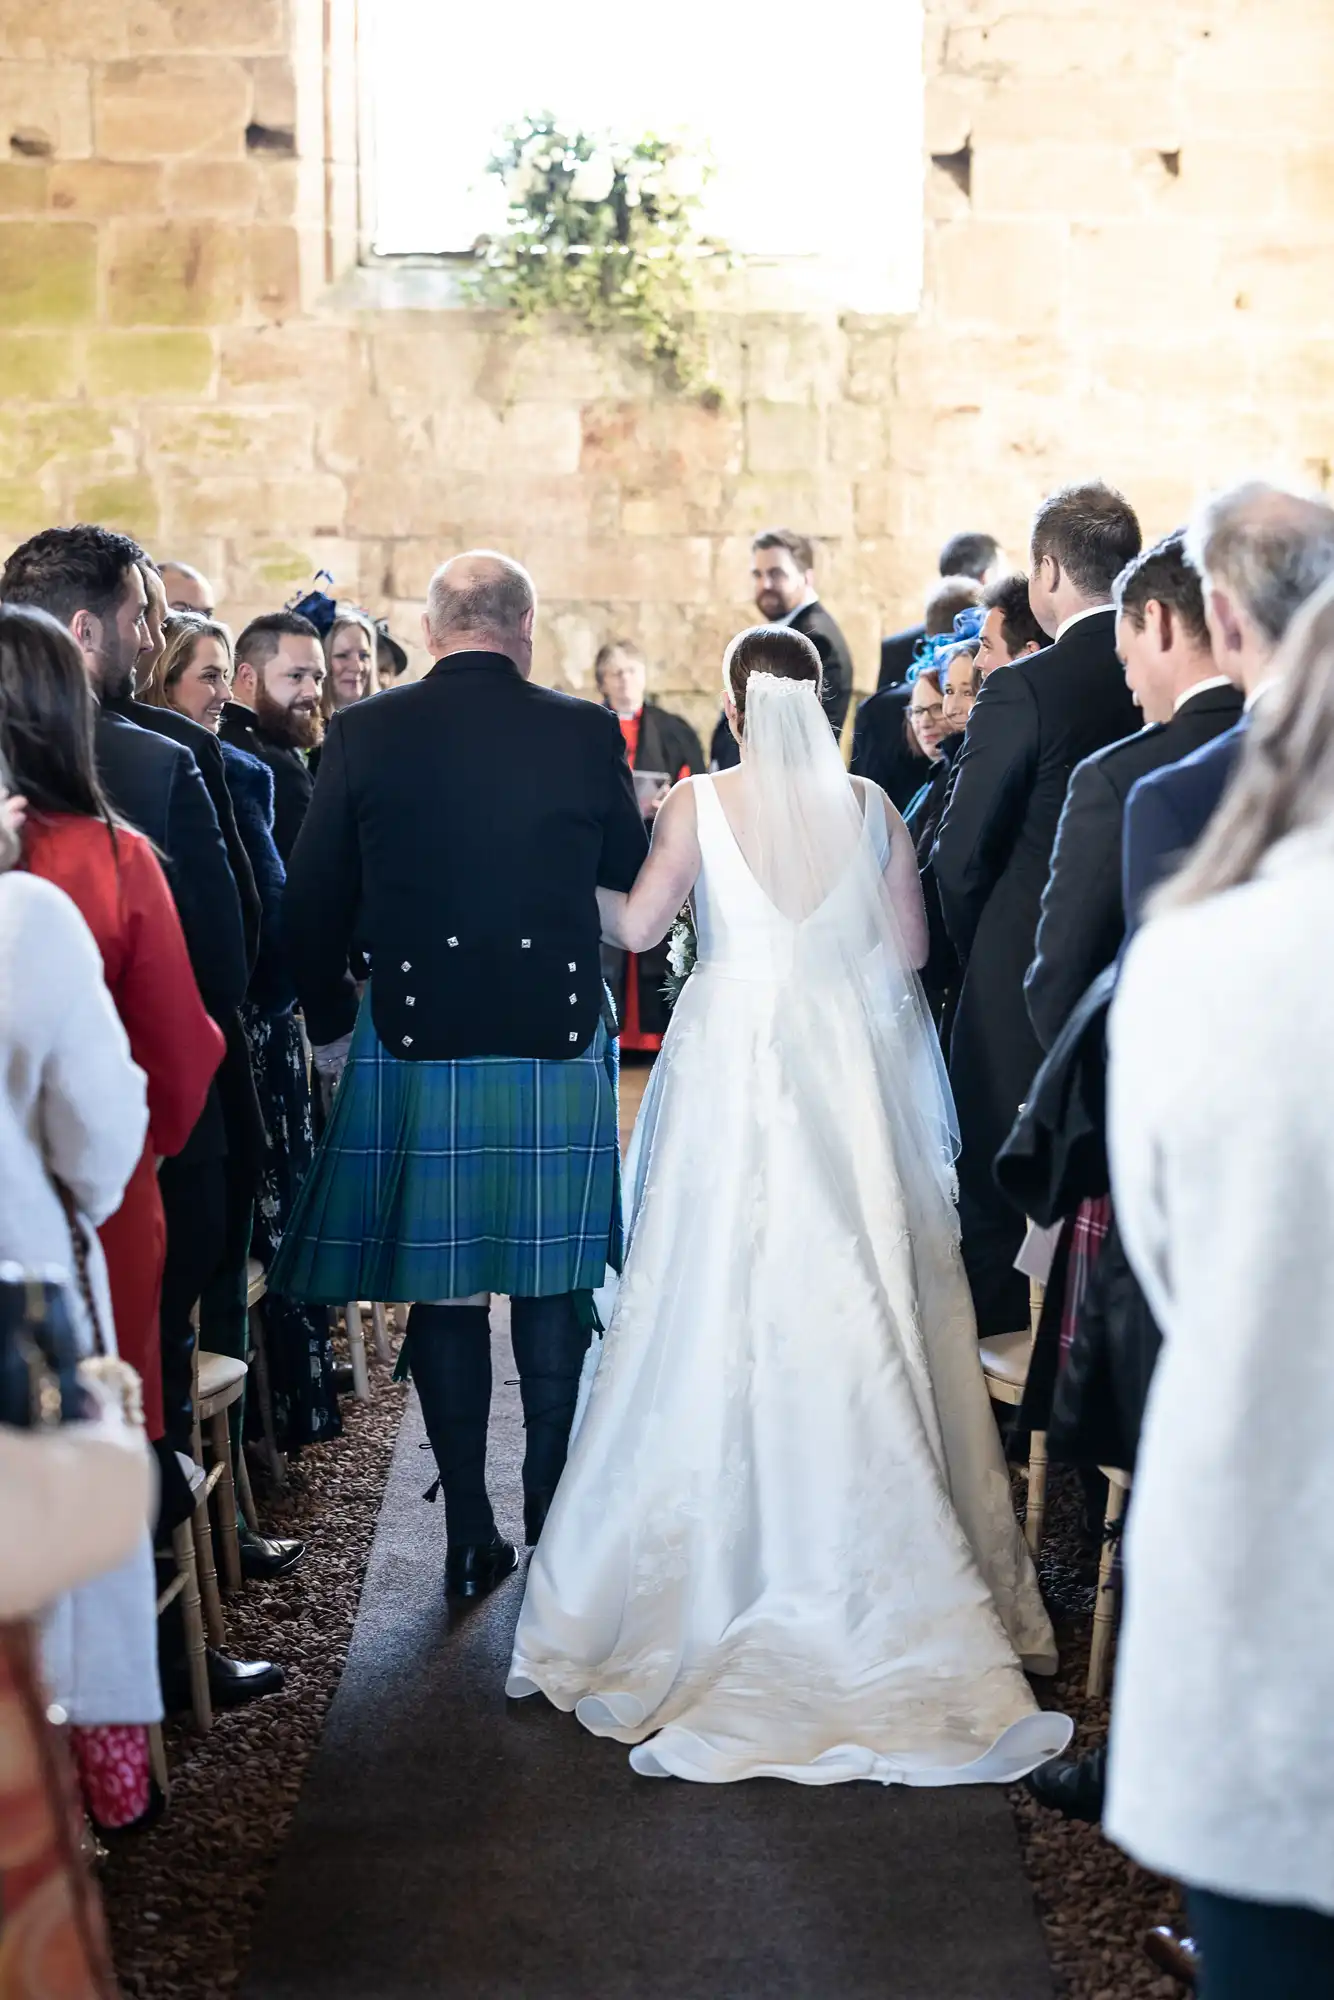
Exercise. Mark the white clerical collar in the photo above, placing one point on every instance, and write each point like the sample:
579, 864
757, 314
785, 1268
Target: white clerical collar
1089, 611
1258, 693
810, 598
1200, 687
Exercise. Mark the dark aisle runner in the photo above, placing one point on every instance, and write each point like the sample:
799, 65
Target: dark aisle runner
450, 1843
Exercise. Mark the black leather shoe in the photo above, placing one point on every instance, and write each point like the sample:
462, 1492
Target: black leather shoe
474, 1568
536, 1507
344, 1380
1174, 1954
269, 1556
231, 1683
1072, 1786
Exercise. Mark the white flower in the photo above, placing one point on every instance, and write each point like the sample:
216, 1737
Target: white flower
522, 181
684, 176
593, 179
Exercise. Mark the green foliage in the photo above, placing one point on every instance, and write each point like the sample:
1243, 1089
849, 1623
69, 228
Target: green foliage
606, 233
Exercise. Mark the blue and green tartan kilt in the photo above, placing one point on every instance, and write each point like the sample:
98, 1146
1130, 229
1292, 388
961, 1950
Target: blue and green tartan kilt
434, 1180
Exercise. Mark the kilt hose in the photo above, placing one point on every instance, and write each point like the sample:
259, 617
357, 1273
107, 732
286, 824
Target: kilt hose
438, 1180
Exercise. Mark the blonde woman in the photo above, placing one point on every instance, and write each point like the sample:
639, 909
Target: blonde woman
349, 653
1222, 1149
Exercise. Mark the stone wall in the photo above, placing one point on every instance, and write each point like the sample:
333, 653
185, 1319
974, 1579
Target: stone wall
1129, 271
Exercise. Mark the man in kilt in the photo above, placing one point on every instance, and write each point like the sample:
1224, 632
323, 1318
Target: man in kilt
459, 830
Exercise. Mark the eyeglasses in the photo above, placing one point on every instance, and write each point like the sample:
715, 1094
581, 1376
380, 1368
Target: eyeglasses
934, 710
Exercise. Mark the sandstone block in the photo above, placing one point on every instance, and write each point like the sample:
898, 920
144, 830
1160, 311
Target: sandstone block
106, 187
872, 351
794, 359
150, 364
305, 362
269, 442
951, 110
693, 509
1062, 178
784, 437
273, 92
653, 444
1308, 182
818, 502
48, 102
229, 503
538, 437
1284, 283
1088, 44
242, 27
267, 569
858, 437
129, 503
174, 273
1002, 274
1142, 276
24, 186
390, 499
1119, 110
100, 30
48, 273
554, 362
32, 440
25, 508
275, 271
37, 367
160, 107
277, 182
216, 188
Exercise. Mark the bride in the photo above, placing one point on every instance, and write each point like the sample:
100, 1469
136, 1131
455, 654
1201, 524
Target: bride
784, 1545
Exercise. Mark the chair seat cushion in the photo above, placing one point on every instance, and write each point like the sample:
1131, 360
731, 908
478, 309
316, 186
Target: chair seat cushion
1005, 1357
254, 1281
217, 1374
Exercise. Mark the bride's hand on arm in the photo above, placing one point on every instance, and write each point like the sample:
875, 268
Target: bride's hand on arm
643, 918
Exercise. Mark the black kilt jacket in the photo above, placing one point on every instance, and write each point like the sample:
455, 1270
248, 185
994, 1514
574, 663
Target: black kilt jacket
458, 831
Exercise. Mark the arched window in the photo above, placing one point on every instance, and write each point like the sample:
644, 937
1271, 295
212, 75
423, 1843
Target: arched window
811, 110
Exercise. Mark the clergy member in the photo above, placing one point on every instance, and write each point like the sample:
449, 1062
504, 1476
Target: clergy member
662, 749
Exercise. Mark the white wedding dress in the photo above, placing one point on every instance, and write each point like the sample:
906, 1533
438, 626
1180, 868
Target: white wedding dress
784, 1543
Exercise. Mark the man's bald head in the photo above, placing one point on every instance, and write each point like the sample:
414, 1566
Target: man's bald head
187, 589
481, 602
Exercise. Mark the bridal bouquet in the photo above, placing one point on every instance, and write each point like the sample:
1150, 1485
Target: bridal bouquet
682, 951
604, 229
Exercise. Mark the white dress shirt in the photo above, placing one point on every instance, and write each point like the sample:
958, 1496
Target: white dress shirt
1089, 611
1200, 687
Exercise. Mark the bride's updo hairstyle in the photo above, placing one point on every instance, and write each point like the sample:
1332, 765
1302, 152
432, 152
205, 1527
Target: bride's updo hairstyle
768, 649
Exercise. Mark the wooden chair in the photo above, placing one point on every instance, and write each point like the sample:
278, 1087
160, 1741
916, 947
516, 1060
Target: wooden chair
256, 1288
219, 1383
356, 1342
185, 1585
1005, 1363
1104, 1609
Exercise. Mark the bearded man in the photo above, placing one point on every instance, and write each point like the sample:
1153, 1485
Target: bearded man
274, 712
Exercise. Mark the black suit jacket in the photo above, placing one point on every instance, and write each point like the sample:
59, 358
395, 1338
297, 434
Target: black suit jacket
459, 829
293, 784
204, 747
1083, 920
880, 747
897, 653
836, 684
667, 743
1033, 721
1167, 813
155, 785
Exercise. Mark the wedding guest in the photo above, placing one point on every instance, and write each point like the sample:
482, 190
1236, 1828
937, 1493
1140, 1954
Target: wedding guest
90, 579
275, 711
1009, 630
1260, 553
960, 687
1219, 1769
195, 675
925, 723
72, 1121
349, 659
187, 589
656, 743
884, 748
969, 554
1029, 726
156, 612
391, 660
782, 576
1163, 641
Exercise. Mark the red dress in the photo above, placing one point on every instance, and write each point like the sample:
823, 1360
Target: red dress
123, 897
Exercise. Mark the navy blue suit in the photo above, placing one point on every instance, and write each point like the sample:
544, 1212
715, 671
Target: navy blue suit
1167, 812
